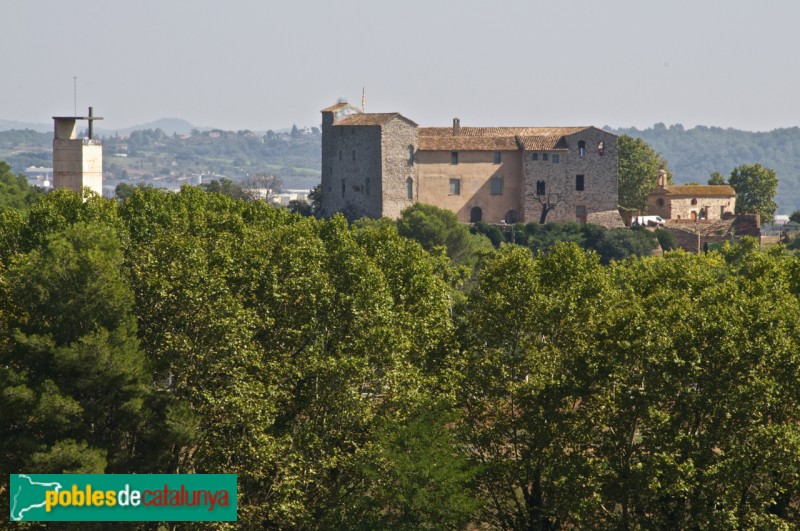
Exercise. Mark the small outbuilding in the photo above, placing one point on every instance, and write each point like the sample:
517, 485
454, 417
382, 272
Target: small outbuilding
691, 202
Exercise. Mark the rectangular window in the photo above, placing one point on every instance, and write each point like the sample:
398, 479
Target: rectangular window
497, 157
497, 186
556, 158
342, 187
544, 156
540, 188
579, 183
454, 157
534, 156
455, 186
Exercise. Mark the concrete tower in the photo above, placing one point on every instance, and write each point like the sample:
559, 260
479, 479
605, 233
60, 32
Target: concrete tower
77, 162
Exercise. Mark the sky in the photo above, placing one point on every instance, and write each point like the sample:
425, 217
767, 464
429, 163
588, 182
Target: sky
263, 64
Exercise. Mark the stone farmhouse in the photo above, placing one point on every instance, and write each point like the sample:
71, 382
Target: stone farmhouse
377, 164
691, 202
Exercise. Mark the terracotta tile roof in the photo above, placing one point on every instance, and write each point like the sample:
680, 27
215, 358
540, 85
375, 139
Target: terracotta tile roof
543, 143
495, 138
372, 118
697, 190
334, 108
468, 143
501, 131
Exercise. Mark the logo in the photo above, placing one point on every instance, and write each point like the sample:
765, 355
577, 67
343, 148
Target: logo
123, 497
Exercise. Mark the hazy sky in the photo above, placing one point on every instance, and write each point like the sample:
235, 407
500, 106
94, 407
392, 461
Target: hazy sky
260, 64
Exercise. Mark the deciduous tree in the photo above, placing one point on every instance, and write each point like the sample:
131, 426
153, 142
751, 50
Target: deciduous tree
755, 187
638, 171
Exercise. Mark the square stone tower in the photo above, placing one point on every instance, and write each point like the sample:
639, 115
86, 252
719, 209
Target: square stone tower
77, 162
368, 166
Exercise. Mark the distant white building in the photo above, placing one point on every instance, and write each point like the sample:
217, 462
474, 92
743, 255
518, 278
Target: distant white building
287, 196
42, 177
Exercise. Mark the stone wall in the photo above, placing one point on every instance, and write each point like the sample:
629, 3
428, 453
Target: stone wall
599, 172
691, 236
475, 170
352, 170
326, 165
398, 164
711, 207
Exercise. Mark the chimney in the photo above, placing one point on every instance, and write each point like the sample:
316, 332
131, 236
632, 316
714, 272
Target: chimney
456, 127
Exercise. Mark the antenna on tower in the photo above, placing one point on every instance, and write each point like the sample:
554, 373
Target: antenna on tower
75, 93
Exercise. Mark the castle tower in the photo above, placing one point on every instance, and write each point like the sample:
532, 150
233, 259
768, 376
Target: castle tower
77, 162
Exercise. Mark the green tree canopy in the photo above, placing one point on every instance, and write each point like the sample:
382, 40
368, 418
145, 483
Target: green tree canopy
716, 178
14, 190
76, 388
755, 187
638, 171
435, 227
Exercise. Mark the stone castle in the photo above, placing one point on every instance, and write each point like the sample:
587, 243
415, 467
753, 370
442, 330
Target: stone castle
377, 164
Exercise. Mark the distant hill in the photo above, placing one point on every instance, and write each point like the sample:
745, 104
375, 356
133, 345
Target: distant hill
7, 125
168, 125
693, 154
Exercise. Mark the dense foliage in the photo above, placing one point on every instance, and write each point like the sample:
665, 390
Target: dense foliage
341, 374
755, 190
14, 190
609, 244
638, 169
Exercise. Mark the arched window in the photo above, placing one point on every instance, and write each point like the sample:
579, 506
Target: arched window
475, 215
582, 148
660, 202
694, 201
410, 189
511, 216
540, 188
600, 148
